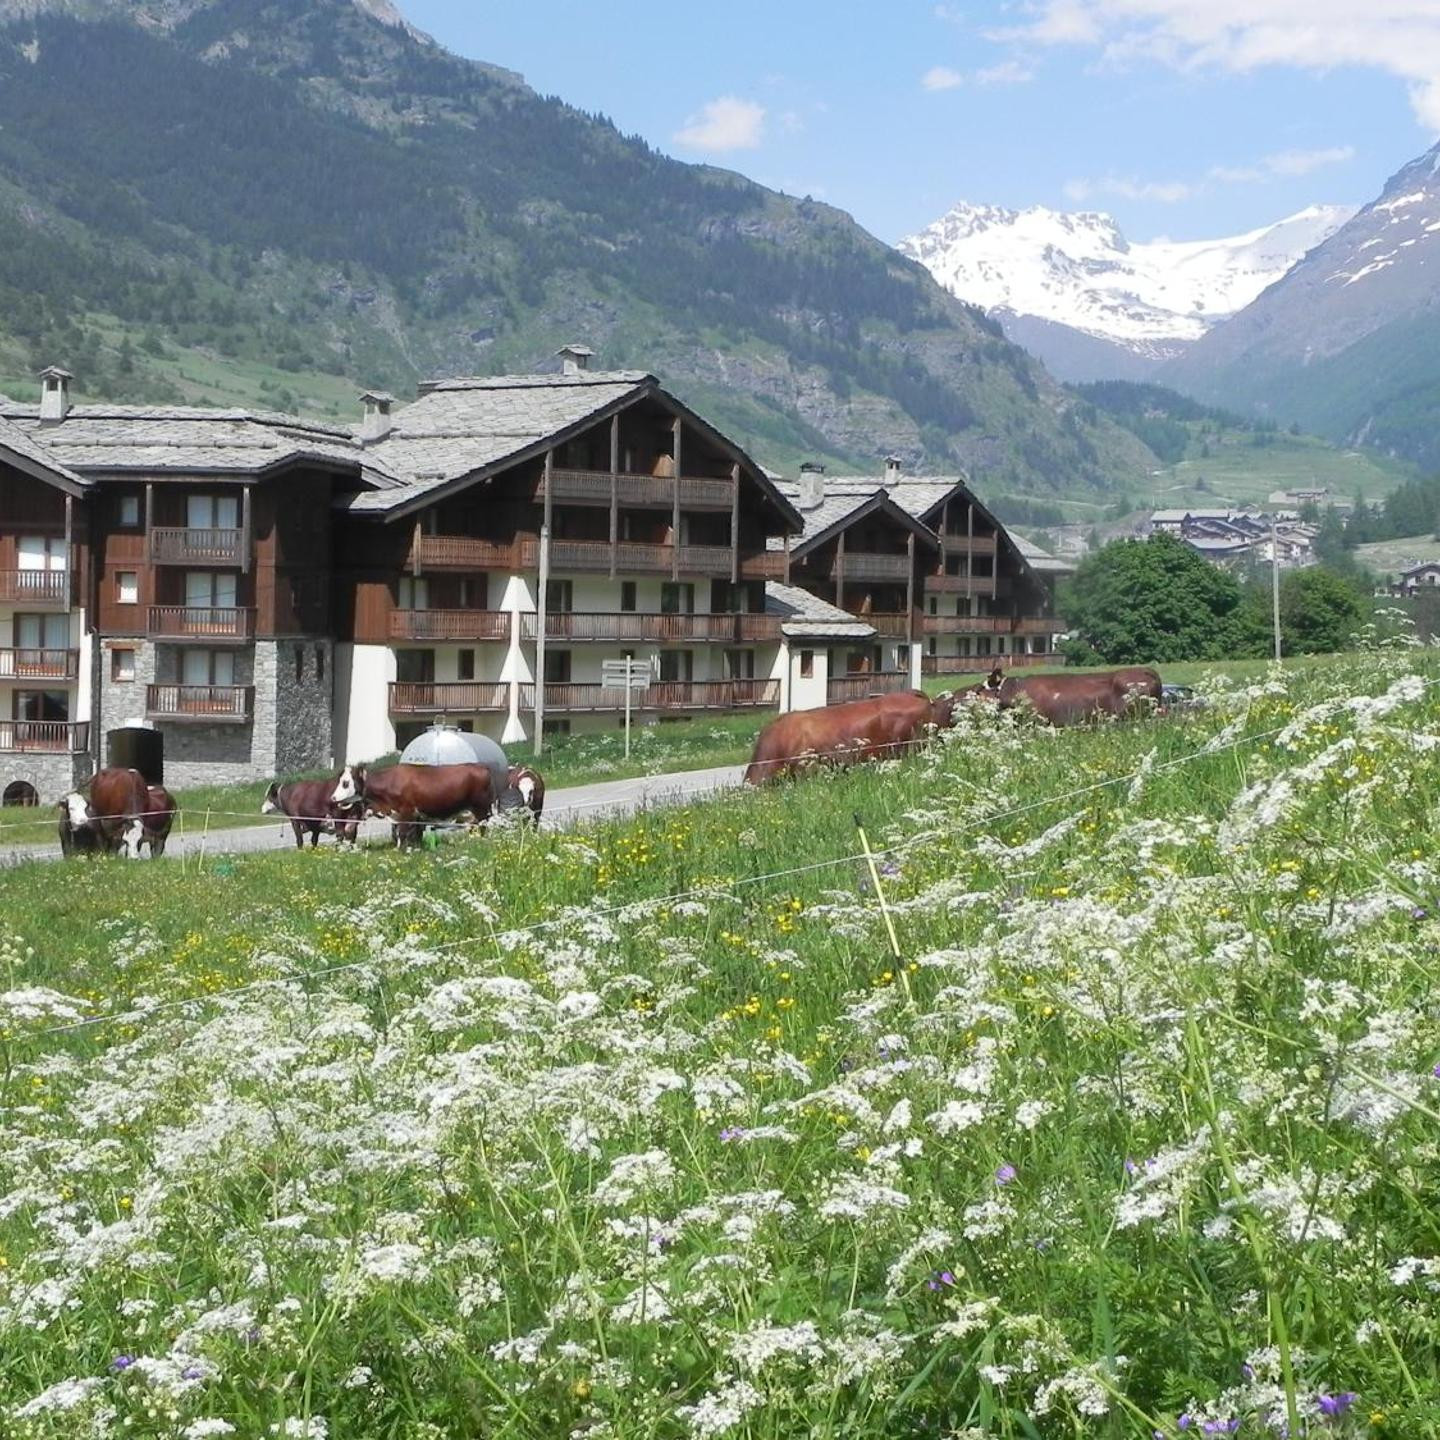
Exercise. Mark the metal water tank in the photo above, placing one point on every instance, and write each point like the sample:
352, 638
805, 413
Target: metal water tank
137, 747
447, 745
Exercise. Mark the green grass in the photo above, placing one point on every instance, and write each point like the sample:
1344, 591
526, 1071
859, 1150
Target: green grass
644, 1124
1389, 557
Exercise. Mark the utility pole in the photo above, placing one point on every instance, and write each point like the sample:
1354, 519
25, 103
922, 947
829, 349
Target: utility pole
1275, 582
544, 584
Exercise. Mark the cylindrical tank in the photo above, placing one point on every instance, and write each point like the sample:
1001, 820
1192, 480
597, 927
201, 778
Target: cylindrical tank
137, 747
446, 745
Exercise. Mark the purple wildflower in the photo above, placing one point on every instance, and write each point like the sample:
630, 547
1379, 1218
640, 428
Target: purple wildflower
192, 1372
122, 1362
733, 1132
1247, 1372
1436, 1072
940, 1279
1185, 1422
1333, 1406
1419, 913
1130, 1166
1005, 1174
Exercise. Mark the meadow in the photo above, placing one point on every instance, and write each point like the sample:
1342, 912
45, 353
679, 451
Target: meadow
658, 1128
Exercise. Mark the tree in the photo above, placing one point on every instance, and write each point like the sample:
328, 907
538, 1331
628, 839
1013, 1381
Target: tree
1319, 611
1157, 600
1330, 539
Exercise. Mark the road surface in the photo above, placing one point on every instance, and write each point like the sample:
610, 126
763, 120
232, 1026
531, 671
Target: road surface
562, 809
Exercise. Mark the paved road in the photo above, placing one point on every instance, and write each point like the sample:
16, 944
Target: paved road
562, 808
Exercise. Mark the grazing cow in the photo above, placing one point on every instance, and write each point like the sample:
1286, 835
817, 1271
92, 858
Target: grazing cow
1072, 699
311, 810
879, 728
113, 814
412, 794
525, 789
159, 816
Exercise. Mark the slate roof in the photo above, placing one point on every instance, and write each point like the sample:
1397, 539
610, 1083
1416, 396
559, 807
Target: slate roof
110, 439
1041, 560
23, 452
804, 616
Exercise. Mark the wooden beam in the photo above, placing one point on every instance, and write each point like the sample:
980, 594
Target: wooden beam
247, 539
415, 548
675, 507
735, 524
910, 589
969, 553
614, 490
840, 571
149, 519
69, 551
944, 529
787, 557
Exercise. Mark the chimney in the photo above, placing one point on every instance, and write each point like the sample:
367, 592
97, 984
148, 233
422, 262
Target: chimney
574, 358
892, 469
54, 394
378, 422
812, 486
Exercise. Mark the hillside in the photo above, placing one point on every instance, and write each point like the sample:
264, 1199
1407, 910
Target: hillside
1348, 343
237, 196
1211, 456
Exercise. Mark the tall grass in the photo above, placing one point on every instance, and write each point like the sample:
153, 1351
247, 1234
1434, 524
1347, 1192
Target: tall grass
645, 1130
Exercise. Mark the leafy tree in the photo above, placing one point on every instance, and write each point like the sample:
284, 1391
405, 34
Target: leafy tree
1320, 611
1157, 600
1330, 543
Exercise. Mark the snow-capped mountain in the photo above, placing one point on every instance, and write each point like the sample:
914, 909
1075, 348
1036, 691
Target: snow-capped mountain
1077, 270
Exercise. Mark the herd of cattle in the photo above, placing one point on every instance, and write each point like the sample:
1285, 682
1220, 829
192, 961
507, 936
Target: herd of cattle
119, 813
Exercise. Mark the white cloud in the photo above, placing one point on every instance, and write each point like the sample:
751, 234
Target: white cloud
1007, 72
1167, 192
1399, 37
951, 14
1282, 165
728, 123
941, 77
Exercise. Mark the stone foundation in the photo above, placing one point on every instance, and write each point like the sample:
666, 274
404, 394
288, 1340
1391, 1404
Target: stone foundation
53, 776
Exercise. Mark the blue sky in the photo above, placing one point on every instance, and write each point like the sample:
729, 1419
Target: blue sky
1183, 118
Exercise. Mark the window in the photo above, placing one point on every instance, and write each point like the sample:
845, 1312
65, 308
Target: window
130, 511
934, 605
473, 592
207, 667
465, 665
627, 595
42, 552
212, 512
319, 662
415, 667
677, 665
42, 632
559, 597
413, 593
42, 705
1038, 644
807, 664
677, 597
557, 667
558, 727
982, 645
127, 587
739, 665
932, 645
122, 665
210, 590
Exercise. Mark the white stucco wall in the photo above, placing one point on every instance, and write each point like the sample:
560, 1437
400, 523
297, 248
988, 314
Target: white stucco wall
362, 722
808, 692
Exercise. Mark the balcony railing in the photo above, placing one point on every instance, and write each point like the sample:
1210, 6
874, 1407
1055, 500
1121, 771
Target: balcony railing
216, 624
36, 589
634, 557
958, 544
859, 565
645, 626
860, 687
982, 664
894, 623
460, 697
449, 624
653, 491
52, 737
39, 664
663, 695
967, 585
219, 704
990, 625
186, 545
463, 552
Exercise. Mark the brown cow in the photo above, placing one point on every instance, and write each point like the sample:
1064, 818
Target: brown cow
159, 816
113, 813
311, 811
525, 789
412, 794
1072, 699
879, 728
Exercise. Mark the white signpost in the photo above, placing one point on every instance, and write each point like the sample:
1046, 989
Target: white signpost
630, 675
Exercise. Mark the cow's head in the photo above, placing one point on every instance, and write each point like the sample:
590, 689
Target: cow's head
76, 809
133, 839
350, 788
271, 803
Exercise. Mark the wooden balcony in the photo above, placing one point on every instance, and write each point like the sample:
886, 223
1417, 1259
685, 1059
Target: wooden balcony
968, 585
464, 552
212, 704
215, 625
860, 687
858, 565
663, 695
450, 625
958, 544
656, 492
39, 665
48, 737
891, 623
990, 625
36, 589
202, 548
625, 626
457, 697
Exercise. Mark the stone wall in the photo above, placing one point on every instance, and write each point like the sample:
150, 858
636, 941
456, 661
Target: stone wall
303, 707
53, 776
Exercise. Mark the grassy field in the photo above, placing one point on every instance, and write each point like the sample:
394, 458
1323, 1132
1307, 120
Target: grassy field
1389, 557
652, 1130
